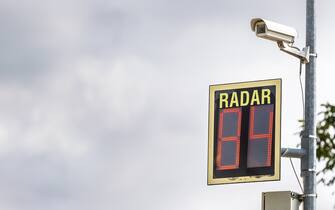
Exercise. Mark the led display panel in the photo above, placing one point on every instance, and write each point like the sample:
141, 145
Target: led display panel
244, 132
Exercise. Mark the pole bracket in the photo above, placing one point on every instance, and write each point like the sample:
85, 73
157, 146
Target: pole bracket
309, 170
292, 153
310, 137
309, 195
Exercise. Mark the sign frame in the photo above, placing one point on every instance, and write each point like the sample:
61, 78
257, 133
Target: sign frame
211, 180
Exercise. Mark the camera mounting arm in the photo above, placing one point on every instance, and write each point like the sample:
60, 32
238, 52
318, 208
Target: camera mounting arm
303, 54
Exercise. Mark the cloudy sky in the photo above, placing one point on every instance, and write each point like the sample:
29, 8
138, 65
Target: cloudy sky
104, 104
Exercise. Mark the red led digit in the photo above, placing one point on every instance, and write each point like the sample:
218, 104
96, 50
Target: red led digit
260, 136
228, 139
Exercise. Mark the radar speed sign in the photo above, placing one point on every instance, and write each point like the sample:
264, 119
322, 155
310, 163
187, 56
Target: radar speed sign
244, 132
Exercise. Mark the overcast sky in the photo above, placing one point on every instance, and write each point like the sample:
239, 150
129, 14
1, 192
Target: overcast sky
104, 104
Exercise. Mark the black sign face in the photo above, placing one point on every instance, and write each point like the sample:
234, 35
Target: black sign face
244, 132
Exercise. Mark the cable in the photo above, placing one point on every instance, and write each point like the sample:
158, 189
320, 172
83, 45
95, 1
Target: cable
303, 110
302, 93
296, 176
294, 47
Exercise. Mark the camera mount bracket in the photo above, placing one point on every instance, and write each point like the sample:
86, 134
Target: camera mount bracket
303, 54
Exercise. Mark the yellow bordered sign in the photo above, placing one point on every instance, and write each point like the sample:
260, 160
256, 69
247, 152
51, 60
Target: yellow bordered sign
244, 132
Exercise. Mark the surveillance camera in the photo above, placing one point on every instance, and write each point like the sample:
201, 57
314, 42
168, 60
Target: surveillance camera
273, 31
283, 35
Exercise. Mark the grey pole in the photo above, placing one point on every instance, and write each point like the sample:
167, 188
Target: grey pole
308, 141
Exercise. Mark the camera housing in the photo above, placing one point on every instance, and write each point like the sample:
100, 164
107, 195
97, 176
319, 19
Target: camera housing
283, 35
273, 31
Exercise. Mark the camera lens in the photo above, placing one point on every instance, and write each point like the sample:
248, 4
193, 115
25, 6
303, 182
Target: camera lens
261, 28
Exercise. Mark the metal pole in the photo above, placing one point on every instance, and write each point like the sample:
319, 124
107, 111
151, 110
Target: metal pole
308, 141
